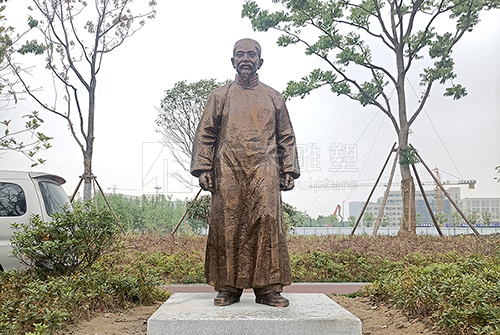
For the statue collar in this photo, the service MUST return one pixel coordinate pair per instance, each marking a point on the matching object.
(254, 81)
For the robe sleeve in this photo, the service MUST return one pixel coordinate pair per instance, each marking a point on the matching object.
(287, 150)
(205, 139)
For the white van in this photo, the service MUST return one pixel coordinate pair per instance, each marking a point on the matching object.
(23, 194)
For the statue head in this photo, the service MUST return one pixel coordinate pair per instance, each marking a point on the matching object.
(246, 57)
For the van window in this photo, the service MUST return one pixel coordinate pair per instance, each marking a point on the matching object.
(54, 197)
(12, 200)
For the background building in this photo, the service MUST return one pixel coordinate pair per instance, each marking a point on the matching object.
(481, 205)
(394, 207)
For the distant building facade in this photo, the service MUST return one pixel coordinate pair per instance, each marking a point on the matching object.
(481, 205)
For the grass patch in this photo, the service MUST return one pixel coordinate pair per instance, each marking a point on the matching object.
(42, 306)
(462, 297)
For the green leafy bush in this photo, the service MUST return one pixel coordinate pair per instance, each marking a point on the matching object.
(182, 267)
(460, 296)
(42, 306)
(198, 211)
(72, 241)
(345, 266)
(137, 282)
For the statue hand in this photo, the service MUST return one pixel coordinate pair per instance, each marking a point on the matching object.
(206, 181)
(286, 182)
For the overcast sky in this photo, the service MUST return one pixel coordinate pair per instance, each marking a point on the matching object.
(193, 40)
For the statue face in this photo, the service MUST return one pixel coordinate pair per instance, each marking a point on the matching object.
(246, 60)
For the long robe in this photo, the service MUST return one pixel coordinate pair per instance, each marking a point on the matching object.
(246, 139)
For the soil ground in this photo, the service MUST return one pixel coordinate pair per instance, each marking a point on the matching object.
(376, 320)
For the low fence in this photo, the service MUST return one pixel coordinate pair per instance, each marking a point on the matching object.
(447, 231)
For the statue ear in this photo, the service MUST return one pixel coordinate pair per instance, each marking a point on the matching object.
(232, 62)
(260, 63)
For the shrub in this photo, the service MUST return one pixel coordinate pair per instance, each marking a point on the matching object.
(30, 304)
(345, 266)
(137, 282)
(459, 296)
(198, 211)
(182, 267)
(72, 241)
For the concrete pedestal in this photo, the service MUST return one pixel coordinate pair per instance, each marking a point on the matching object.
(308, 313)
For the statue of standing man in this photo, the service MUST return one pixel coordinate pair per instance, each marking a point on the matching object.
(244, 153)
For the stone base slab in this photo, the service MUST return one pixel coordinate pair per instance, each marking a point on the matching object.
(308, 313)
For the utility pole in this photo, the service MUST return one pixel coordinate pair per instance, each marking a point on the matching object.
(157, 188)
(343, 212)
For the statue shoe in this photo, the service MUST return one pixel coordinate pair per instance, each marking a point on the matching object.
(272, 299)
(226, 298)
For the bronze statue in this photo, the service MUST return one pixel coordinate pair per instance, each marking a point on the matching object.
(244, 153)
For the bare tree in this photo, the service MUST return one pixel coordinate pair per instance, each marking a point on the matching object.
(178, 116)
(77, 34)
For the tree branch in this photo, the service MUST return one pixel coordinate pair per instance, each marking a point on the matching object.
(82, 46)
(31, 94)
(342, 74)
(422, 103)
(366, 65)
(65, 43)
(382, 25)
(392, 38)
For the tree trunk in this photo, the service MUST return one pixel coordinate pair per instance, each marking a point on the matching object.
(87, 155)
(87, 190)
(408, 224)
(87, 176)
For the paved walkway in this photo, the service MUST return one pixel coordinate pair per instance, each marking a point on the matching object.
(326, 288)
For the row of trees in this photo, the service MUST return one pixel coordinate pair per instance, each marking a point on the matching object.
(474, 217)
(157, 213)
(441, 217)
(162, 213)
